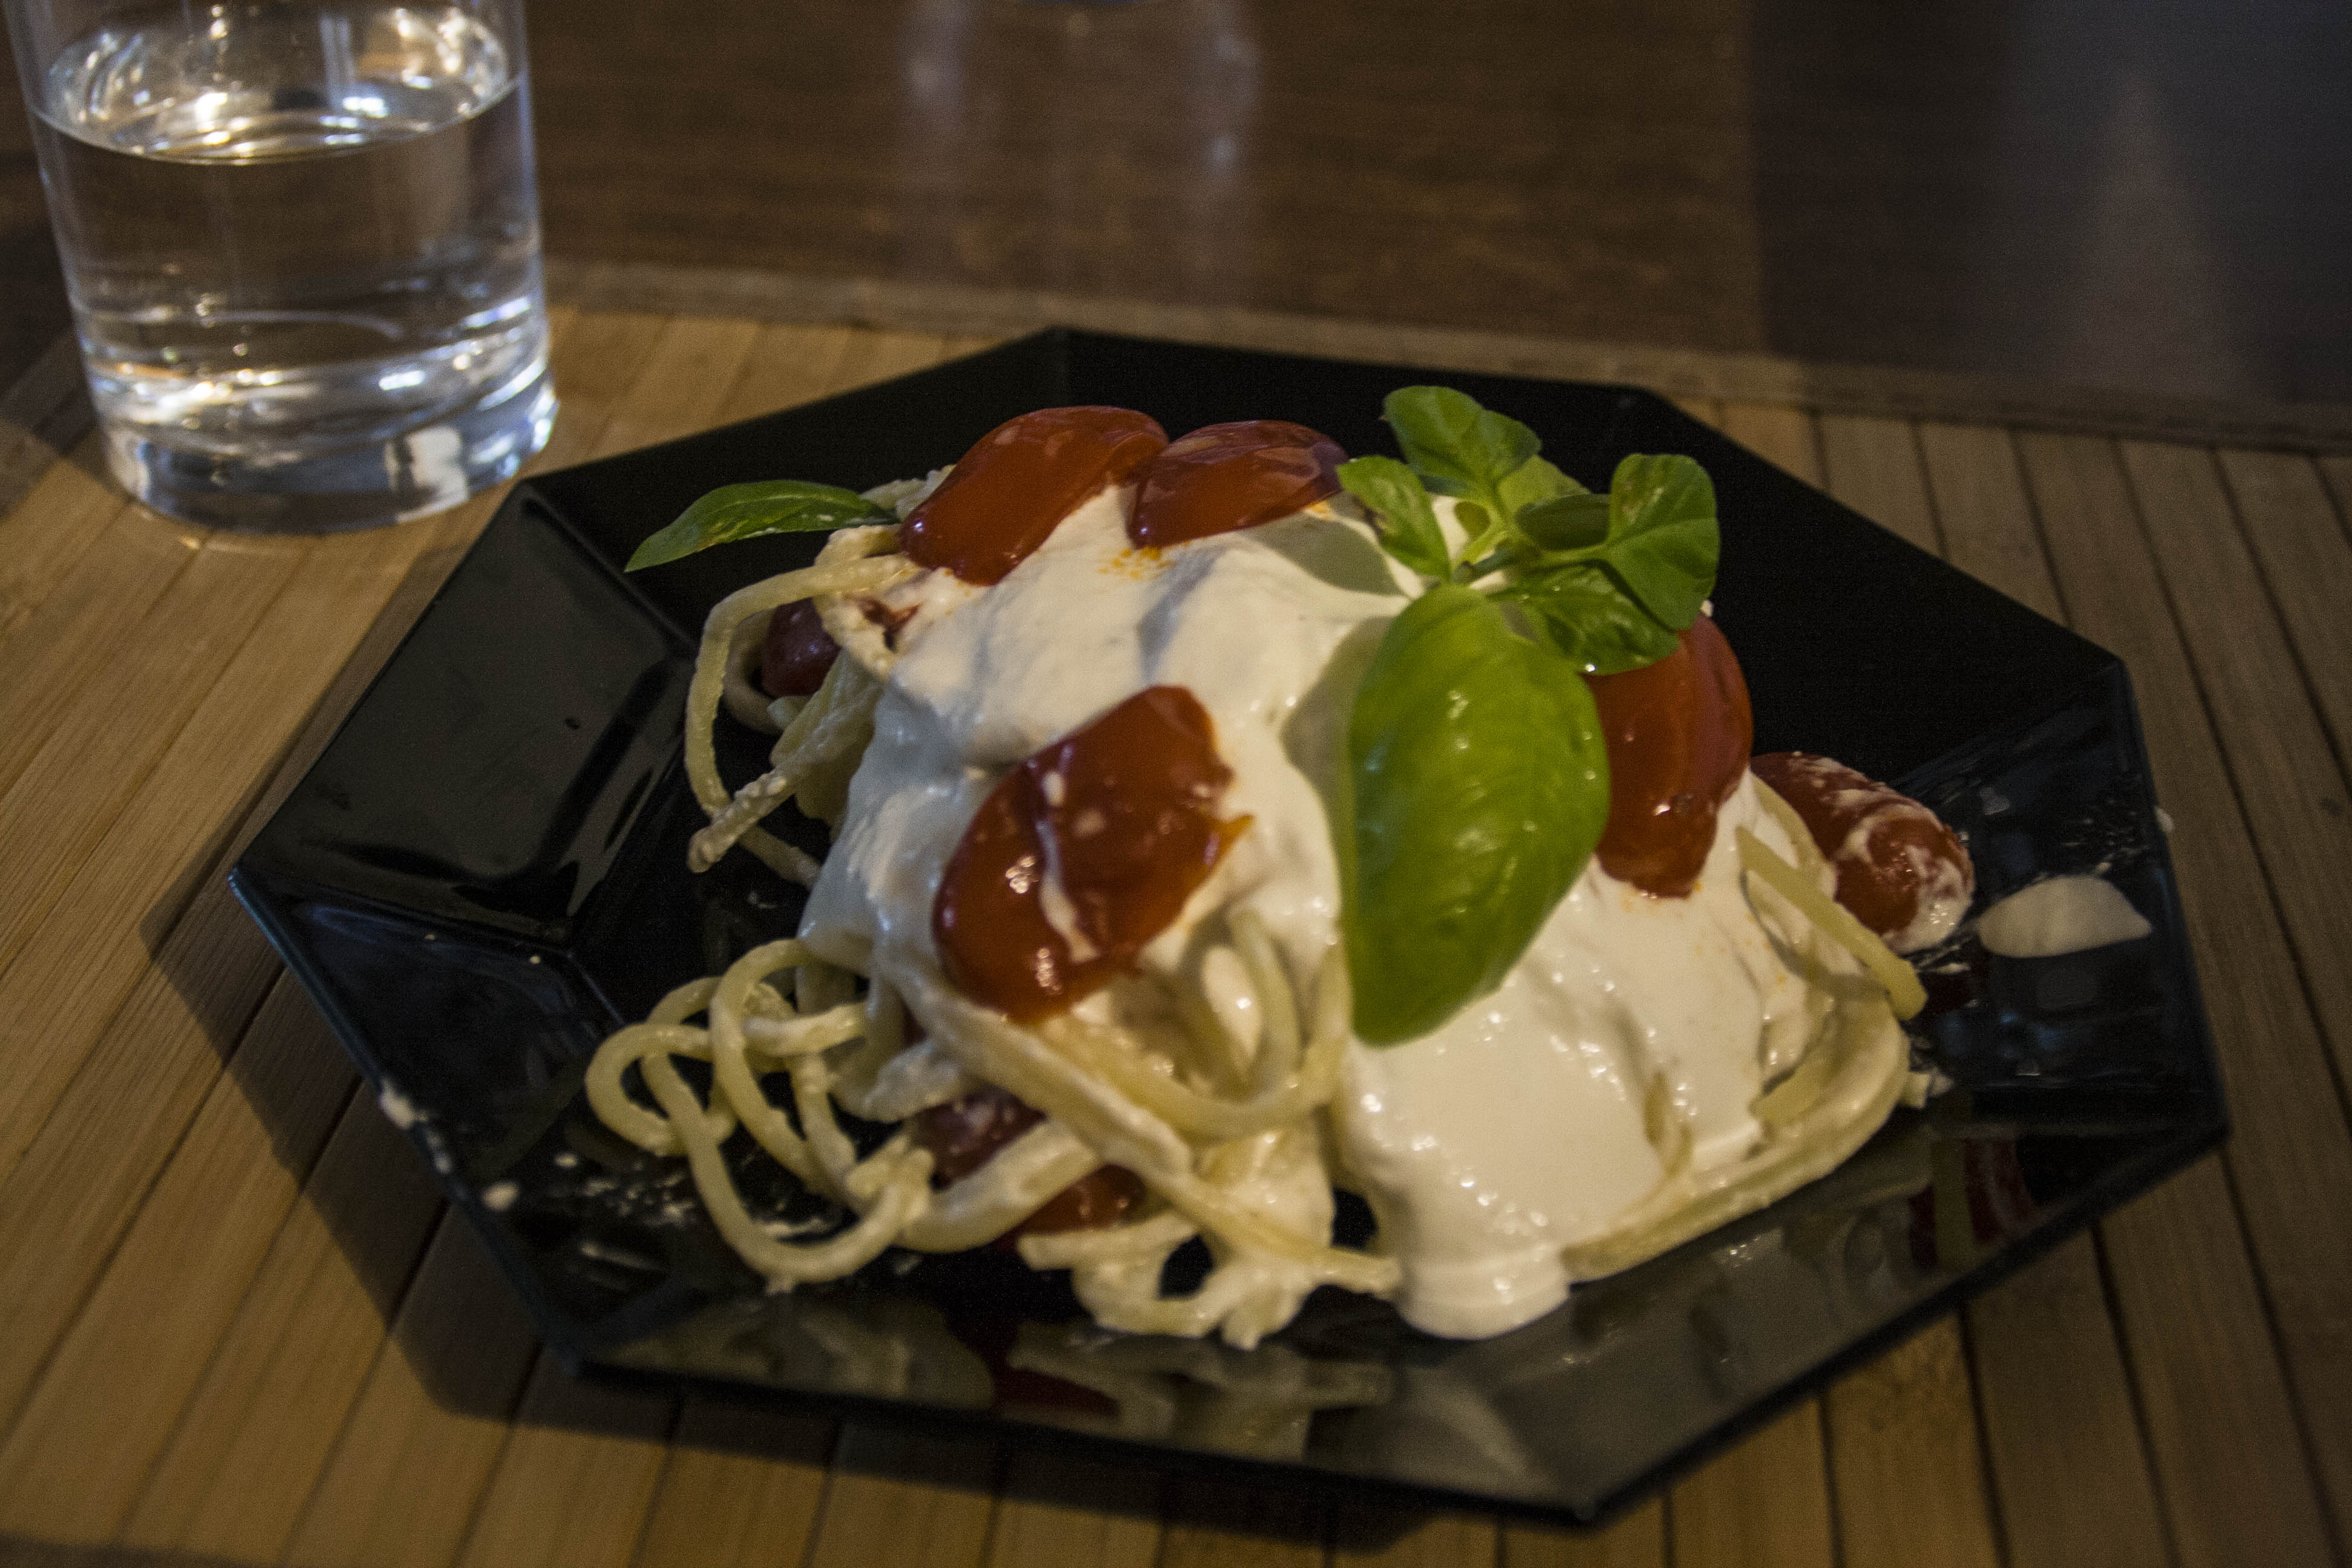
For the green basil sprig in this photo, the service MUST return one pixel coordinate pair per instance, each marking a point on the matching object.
(1608, 580)
(1479, 784)
(1477, 780)
(748, 511)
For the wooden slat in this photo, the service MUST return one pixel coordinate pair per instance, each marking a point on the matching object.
(742, 1490)
(97, 607)
(879, 356)
(1905, 1469)
(2283, 506)
(1784, 436)
(249, 1445)
(1989, 532)
(572, 1484)
(2282, 765)
(44, 413)
(143, 691)
(693, 364)
(1414, 1540)
(1902, 1431)
(2286, 773)
(106, 1403)
(906, 1499)
(2337, 473)
(788, 365)
(1636, 1540)
(146, 1071)
(1221, 1524)
(415, 1454)
(1766, 1501)
(57, 523)
(2067, 1460)
(116, 1092)
(2229, 1452)
(2065, 1441)
(1074, 1513)
(1874, 466)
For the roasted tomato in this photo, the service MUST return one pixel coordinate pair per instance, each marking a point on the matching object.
(966, 1133)
(1679, 732)
(1082, 854)
(1224, 477)
(1899, 870)
(1022, 479)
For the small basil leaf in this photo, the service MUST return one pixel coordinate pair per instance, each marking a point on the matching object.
(1567, 523)
(748, 511)
(1408, 523)
(1535, 481)
(1477, 786)
(1662, 537)
(1457, 447)
(1581, 612)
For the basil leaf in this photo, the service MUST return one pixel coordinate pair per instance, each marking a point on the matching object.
(1663, 539)
(1457, 447)
(1567, 523)
(1477, 786)
(748, 511)
(1582, 611)
(1408, 522)
(1535, 481)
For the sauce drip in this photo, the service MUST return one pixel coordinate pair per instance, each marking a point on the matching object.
(1226, 477)
(1679, 733)
(1083, 852)
(796, 652)
(1020, 479)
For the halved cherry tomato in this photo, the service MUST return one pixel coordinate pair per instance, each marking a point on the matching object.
(1679, 732)
(1224, 477)
(1022, 479)
(1082, 854)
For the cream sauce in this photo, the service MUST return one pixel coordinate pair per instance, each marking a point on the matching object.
(1634, 1035)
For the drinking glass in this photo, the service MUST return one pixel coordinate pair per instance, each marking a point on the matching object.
(301, 242)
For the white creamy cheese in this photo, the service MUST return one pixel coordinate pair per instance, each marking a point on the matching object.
(1634, 1034)
(2062, 915)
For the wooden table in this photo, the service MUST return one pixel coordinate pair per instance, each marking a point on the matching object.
(241, 1327)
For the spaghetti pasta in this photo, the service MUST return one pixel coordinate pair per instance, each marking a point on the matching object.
(1217, 1081)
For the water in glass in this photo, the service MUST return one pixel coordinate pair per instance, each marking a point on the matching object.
(303, 252)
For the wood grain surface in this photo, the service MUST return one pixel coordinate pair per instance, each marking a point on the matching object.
(244, 1329)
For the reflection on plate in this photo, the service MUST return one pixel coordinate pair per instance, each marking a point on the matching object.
(485, 873)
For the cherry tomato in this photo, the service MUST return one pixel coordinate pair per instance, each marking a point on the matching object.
(797, 651)
(1020, 479)
(1679, 732)
(966, 1133)
(1890, 852)
(1224, 477)
(1082, 854)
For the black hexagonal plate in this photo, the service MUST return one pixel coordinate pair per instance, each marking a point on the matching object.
(483, 873)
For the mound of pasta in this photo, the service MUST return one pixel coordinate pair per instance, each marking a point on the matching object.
(1222, 823)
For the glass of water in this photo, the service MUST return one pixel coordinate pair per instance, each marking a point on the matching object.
(302, 245)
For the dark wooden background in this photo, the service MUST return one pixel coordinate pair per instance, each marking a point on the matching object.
(2148, 197)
